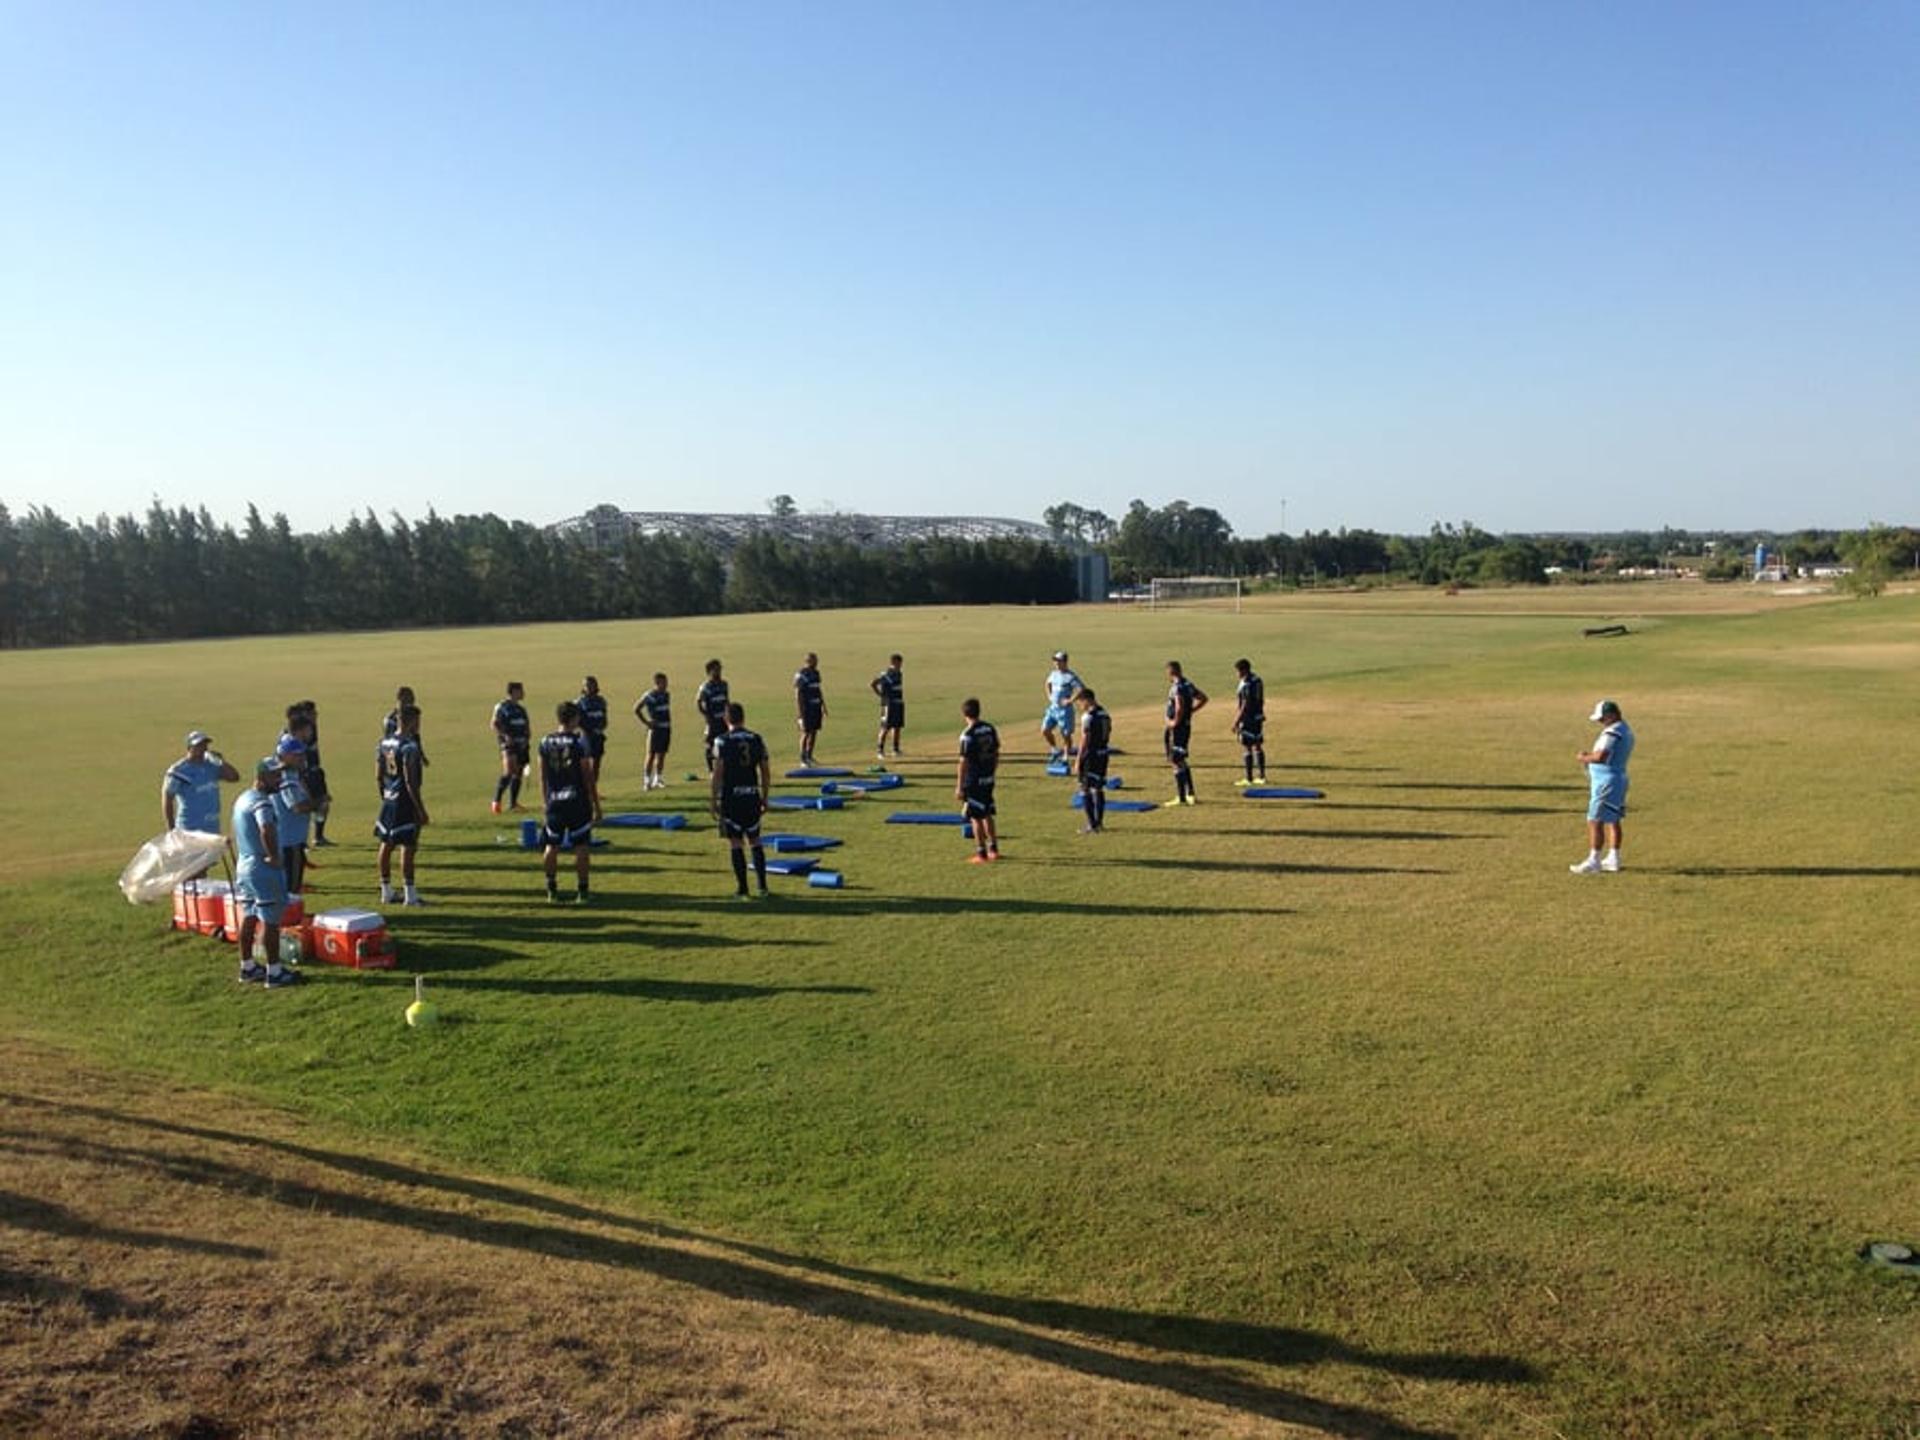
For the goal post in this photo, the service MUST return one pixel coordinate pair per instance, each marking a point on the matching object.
(1214, 592)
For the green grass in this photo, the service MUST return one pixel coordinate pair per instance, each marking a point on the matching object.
(1373, 1079)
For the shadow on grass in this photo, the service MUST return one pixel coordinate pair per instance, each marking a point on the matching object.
(694, 992)
(905, 1307)
(1410, 809)
(600, 922)
(1294, 832)
(1253, 867)
(1476, 785)
(35, 1288)
(1790, 872)
(26, 1212)
(907, 907)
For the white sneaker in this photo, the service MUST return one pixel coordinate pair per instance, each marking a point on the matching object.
(387, 897)
(413, 899)
(1610, 865)
(1589, 866)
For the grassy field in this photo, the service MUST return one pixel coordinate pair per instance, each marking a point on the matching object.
(1365, 1100)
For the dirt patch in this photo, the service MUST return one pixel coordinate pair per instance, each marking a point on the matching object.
(173, 1264)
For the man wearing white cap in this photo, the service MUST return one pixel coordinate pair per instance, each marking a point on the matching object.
(1606, 766)
(190, 793)
(259, 879)
(1056, 727)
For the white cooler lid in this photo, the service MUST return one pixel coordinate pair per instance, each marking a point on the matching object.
(349, 920)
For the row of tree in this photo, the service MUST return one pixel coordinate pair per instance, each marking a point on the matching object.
(1184, 539)
(179, 574)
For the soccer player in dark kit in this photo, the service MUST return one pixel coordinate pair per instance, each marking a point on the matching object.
(1096, 734)
(570, 790)
(402, 810)
(513, 728)
(973, 782)
(711, 701)
(654, 710)
(1250, 721)
(593, 723)
(742, 780)
(1184, 700)
(809, 705)
(891, 688)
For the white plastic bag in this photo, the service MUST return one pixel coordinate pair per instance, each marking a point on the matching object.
(164, 861)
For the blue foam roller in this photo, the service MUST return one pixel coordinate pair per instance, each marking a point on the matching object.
(1281, 792)
(794, 844)
(925, 817)
(1114, 782)
(817, 772)
(826, 880)
(529, 834)
(1059, 767)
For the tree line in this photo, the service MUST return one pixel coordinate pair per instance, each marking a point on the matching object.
(1184, 539)
(177, 573)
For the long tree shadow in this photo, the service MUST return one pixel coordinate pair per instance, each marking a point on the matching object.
(595, 924)
(1251, 867)
(27, 1212)
(1790, 872)
(1271, 1345)
(1411, 809)
(1271, 832)
(34, 1287)
(696, 992)
(1560, 789)
(906, 907)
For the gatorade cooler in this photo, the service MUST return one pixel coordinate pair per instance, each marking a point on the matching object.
(357, 939)
(201, 906)
(293, 915)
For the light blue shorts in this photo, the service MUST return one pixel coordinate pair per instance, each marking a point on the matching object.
(262, 891)
(1060, 718)
(1607, 800)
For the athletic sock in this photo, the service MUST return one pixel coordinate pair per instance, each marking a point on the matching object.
(386, 893)
(1260, 759)
(739, 868)
(760, 865)
(1613, 858)
(1593, 857)
(1249, 759)
(500, 790)
(413, 894)
(553, 887)
(319, 831)
(513, 787)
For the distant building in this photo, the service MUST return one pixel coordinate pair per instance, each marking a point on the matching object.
(606, 526)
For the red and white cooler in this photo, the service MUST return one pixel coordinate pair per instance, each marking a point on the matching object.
(357, 939)
(201, 906)
(293, 915)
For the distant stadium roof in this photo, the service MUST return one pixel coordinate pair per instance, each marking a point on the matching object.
(608, 525)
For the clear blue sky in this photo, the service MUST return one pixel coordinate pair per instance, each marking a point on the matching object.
(1543, 266)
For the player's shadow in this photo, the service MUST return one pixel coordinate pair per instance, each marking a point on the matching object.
(1180, 1344)
(1789, 872)
(908, 907)
(28, 1212)
(1294, 832)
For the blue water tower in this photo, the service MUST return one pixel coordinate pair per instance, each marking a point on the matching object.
(1760, 557)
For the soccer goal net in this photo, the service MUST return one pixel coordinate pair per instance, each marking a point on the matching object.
(1212, 591)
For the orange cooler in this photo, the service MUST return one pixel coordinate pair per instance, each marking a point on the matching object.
(293, 916)
(201, 906)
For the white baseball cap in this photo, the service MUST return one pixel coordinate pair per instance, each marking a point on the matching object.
(1602, 709)
(197, 737)
(1059, 654)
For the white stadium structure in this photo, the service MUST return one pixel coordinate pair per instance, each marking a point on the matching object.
(608, 525)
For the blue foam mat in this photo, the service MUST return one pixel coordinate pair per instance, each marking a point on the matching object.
(805, 802)
(791, 844)
(925, 817)
(635, 821)
(863, 787)
(1282, 792)
(817, 772)
(1123, 807)
(791, 864)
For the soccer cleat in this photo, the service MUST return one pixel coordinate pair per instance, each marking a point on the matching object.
(579, 897)
(280, 979)
(1610, 865)
(1089, 829)
(387, 897)
(1589, 866)
(494, 806)
(414, 901)
(1173, 804)
(1243, 783)
(1191, 800)
(993, 854)
(553, 897)
(742, 895)
(323, 841)
(763, 894)
(252, 973)
(979, 857)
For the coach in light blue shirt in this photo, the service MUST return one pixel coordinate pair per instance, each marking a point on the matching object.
(1606, 764)
(190, 793)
